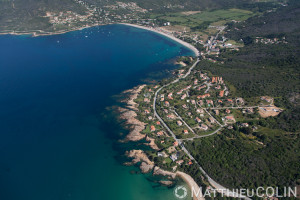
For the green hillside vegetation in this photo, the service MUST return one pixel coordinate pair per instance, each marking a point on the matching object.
(266, 69)
(26, 15)
(237, 159)
(23, 15)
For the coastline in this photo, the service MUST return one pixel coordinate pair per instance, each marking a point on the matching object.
(191, 47)
(192, 184)
(36, 33)
(128, 113)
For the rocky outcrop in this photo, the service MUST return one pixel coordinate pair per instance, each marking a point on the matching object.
(146, 168)
(129, 115)
(151, 143)
(159, 171)
(139, 156)
(166, 183)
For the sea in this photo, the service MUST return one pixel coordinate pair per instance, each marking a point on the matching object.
(59, 139)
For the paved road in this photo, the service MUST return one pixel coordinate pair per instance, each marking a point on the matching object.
(184, 122)
(216, 185)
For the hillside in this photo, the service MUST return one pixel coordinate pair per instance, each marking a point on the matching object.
(27, 15)
(265, 68)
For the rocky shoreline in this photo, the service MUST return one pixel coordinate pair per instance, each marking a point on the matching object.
(129, 115)
(139, 157)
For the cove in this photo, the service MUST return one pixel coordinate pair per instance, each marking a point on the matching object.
(54, 142)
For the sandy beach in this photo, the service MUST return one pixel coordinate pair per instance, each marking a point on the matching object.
(192, 184)
(167, 35)
(36, 33)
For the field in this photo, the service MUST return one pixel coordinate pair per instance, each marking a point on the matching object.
(218, 17)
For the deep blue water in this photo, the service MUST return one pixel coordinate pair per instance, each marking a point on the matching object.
(54, 142)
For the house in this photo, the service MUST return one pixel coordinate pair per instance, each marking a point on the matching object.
(147, 111)
(227, 111)
(230, 100)
(152, 128)
(198, 120)
(193, 101)
(230, 118)
(244, 125)
(183, 97)
(179, 162)
(203, 96)
(221, 94)
(171, 116)
(200, 110)
(204, 127)
(160, 154)
(150, 118)
(218, 87)
(174, 157)
(201, 87)
(170, 96)
(190, 162)
(179, 123)
(210, 102)
(185, 131)
(158, 123)
(167, 103)
(216, 112)
(175, 144)
(146, 100)
(179, 92)
(160, 133)
(195, 81)
(184, 106)
(200, 102)
(212, 120)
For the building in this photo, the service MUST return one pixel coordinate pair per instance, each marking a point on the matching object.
(175, 144)
(174, 157)
(167, 103)
(183, 97)
(179, 123)
(204, 127)
(198, 120)
(221, 94)
(212, 120)
(160, 133)
(152, 128)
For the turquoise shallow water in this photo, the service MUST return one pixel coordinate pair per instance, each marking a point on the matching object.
(54, 141)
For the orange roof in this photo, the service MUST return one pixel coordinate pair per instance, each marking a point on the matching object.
(152, 128)
(158, 122)
(175, 143)
(221, 94)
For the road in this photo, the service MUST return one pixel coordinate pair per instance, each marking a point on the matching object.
(216, 185)
(184, 122)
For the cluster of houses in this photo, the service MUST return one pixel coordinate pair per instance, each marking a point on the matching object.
(270, 41)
